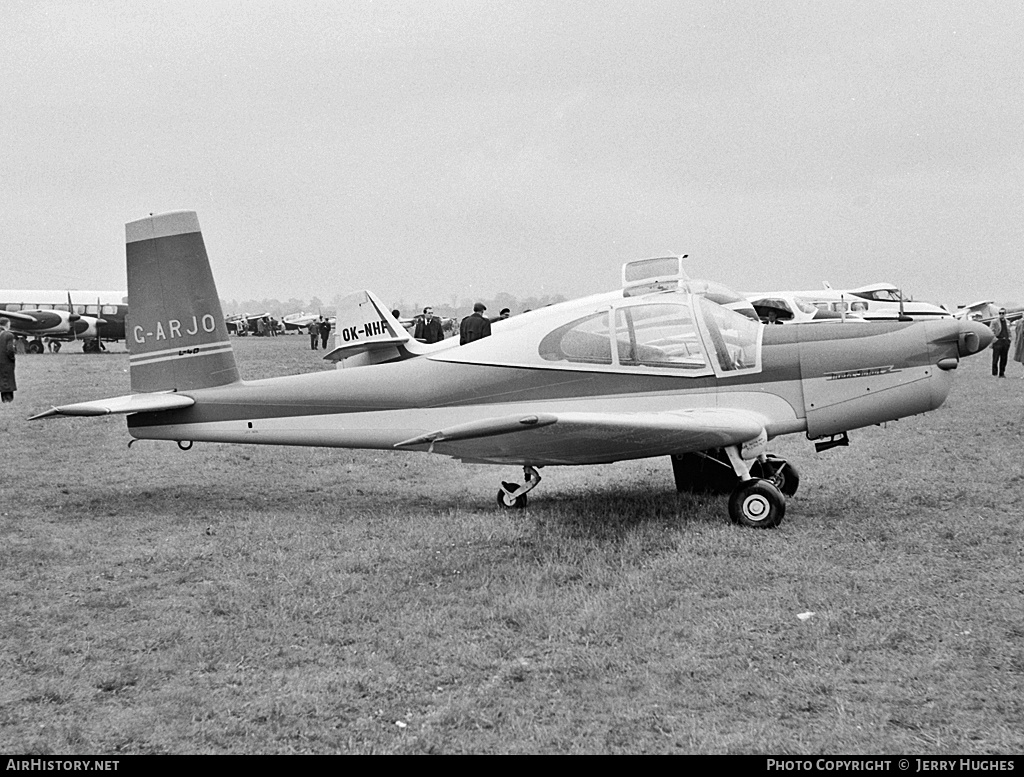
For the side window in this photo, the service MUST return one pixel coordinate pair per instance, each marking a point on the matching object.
(586, 341)
(109, 310)
(659, 336)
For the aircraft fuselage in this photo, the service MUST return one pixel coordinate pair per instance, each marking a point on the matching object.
(822, 379)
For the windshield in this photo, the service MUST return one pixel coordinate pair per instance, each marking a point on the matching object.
(883, 295)
(805, 305)
(736, 339)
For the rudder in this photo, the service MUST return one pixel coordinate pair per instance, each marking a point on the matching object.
(176, 334)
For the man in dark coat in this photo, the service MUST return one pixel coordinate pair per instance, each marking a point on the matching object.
(428, 327)
(475, 326)
(325, 331)
(8, 346)
(1001, 345)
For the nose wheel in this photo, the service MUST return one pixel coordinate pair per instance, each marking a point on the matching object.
(512, 496)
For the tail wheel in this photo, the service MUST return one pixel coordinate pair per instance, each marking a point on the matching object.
(507, 503)
(757, 504)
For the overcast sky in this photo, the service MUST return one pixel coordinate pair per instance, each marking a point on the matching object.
(429, 150)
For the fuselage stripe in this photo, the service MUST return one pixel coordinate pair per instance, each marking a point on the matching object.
(179, 353)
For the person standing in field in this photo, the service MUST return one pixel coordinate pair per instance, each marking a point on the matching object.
(325, 331)
(1018, 341)
(475, 326)
(428, 327)
(314, 335)
(8, 349)
(1001, 345)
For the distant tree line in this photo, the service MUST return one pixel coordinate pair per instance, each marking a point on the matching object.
(450, 308)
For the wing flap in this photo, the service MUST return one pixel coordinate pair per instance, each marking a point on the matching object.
(489, 427)
(132, 403)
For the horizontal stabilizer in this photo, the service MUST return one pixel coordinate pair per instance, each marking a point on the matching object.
(133, 403)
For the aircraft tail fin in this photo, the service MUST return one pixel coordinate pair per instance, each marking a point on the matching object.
(366, 333)
(176, 334)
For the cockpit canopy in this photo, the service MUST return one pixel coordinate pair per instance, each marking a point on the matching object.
(686, 335)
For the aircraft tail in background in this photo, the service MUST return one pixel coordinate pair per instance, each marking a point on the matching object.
(176, 334)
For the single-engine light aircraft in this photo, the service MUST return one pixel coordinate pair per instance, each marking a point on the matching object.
(92, 318)
(666, 366)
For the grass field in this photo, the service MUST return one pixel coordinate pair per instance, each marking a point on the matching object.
(237, 599)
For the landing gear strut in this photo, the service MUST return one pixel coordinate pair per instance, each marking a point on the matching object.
(757, 489)
(512, 496)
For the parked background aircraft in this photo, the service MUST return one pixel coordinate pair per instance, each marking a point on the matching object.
(658, 368)
(299, 320)
(788, 306)
(987, 310)
(243, 324)
(92, 317)
(874, 302)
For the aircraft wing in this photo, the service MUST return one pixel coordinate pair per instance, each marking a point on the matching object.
(16, 316)
(592, 438)
(133, 403)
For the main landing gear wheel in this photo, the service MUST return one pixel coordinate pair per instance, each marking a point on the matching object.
(783, 475)
(757, 504)
(34, 346)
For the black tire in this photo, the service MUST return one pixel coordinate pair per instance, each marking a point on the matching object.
(757, 504)
(34, 346)
(789, 475)
(517, 504)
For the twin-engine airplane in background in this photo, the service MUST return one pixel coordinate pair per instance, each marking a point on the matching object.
(874, 302)
(94, 317)
(662, 367)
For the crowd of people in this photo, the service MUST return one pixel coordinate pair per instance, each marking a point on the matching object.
(429, 328)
